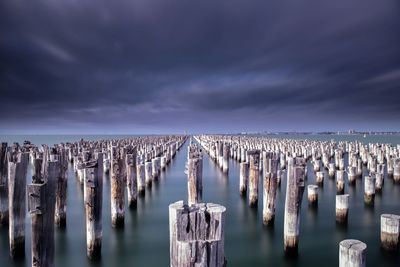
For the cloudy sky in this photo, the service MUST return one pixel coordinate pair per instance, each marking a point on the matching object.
(154, 66)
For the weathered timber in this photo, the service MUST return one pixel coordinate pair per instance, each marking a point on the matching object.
(294, 194)
(131, 182)
(254, 160)
(244, 178)
(352, 253)
(342, 208)
(118, 175)
(93, 206)
(17, 171)
(41, 206)
(197, 235)
(269, 188)
(390, 231)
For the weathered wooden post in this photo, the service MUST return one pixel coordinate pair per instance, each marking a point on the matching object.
(141, 180)
(244, 170)
(197, 235)
(61, 190)
(352, 253)
(163, 162)
(131, 182)
(155, 167)
(319, 176)
(225, 158)
(396, 170)
(195, 179)
(254, 159)
(312, 191)
(3, 185)
(270, 186)
(93, 204)
(351, 175)
(148, 173)
(339, 181)
(41, 206)
(331, 170)
(378, 181)
(369, 190)
(17, 171)
(390, 231)
(294, 194)
(342, 208)
(117, 188)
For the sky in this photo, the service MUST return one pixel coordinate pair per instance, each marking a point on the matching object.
(212, 66)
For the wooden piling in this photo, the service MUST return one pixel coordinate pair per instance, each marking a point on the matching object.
(41, 206)
(254, 160)
(294, 194)
(155, 168)
(340, 181)
(352, 253)
(225, 158)
(197, 235)
(148, 173)
(17, 171)
(396, 170)
(244, 170)
(131, 181)
(312, 192)
(351, 175)
(331, 170)
(269, 189)
(369, 190)
(3, 186)
(61, 190)
(141, 180)
(117, 188)
(93, 205)
(390, 231)
(342, 208)
(195, 180)
(319, 176)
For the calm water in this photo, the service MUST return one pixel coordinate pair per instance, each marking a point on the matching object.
(145, 239)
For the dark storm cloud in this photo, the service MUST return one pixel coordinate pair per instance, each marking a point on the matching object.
(204, 65)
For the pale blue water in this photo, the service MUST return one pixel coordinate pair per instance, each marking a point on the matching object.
(145, 239)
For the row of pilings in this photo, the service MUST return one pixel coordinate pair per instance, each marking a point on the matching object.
(276, 159)
(133, 164)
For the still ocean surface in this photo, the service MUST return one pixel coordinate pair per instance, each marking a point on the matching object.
(144, 241)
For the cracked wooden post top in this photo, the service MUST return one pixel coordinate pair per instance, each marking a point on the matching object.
(352, 253)
(196, 234)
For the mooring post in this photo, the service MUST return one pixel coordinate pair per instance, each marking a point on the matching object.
(195, 180)
(369, 190)
(41, 206)
(93, 206)
(225, 156)
(352, 253)
(390, 231)
(312, 193)
(339, 181)
(244, 172)
(61, 190)
(294, 194)
(17, 171)
(342, 208)
(270, 186)
(197, 235)
(117, 188)
(254, 160)
(131, 181)
(3, 185)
